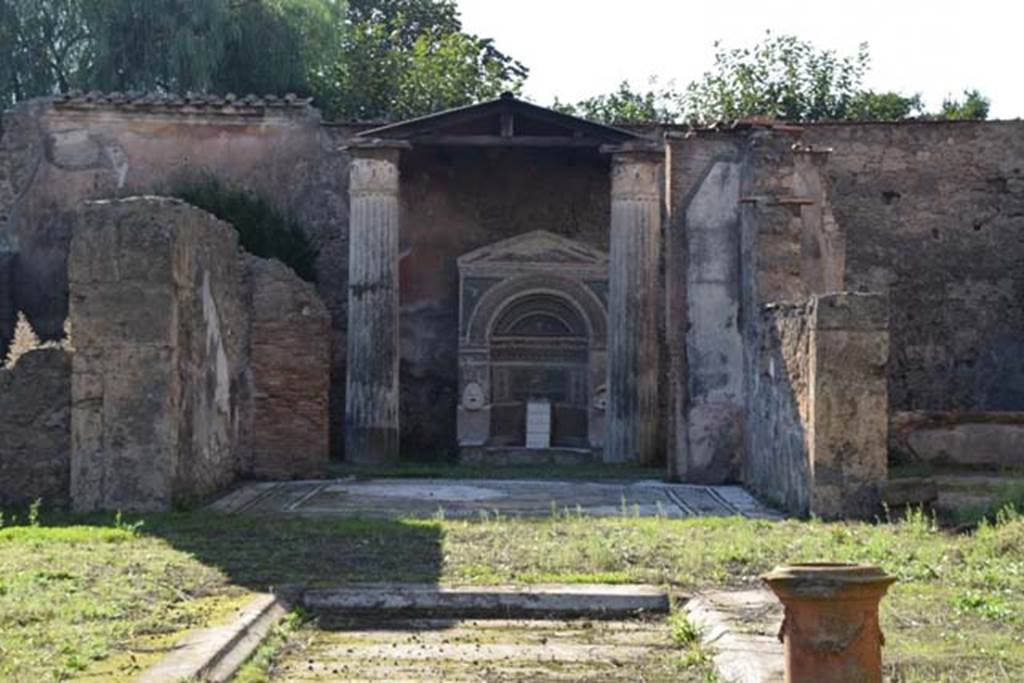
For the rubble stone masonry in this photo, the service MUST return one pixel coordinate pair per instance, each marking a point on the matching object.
(160, 328)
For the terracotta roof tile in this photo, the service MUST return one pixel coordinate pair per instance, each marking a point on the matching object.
(228, 105)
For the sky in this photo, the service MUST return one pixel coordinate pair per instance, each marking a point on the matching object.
(579, 48)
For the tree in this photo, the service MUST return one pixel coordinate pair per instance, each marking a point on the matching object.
(366, 59)
(627, 106)
(281, 46)
(408, 18)
(974, 106)
(868, 105)
(43, 47)
(169, 45)
(388, 72)
(781, 77)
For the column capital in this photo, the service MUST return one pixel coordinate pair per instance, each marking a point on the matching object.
(373, 169)
(636, 170)
(636, 151)
(376, 148)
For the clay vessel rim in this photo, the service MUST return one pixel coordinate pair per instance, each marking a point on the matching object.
(828, 572)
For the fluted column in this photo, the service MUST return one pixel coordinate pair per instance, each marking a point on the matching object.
(371, 398)
(631, 427)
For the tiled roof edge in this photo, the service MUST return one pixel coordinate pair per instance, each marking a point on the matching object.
(230, 104)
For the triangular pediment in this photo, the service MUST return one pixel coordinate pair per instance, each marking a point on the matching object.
(539, 247)
(503, 122)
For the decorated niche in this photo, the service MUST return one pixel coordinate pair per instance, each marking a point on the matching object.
(532, 332)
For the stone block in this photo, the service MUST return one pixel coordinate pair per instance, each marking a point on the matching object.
(849, 405)
(160, 331)
(969, 439)
(35, 413)
(851, 311)
(818, 406)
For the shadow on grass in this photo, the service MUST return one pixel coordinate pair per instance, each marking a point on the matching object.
(260, 553)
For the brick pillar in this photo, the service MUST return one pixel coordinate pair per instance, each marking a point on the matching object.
(371, 398)
(631, 428)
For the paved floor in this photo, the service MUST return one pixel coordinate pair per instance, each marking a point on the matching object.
(472, 498)
(357, 649)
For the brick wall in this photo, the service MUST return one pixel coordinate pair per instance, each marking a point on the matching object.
(289, 358)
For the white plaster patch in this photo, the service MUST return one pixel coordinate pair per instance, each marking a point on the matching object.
(118, 162)
(215, 348)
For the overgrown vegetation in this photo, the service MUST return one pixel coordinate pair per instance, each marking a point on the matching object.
(104, 598)
(25, 339)
(781, 77)
(262, 229)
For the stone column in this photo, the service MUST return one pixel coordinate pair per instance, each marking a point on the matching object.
(371, 398)
(631, 420)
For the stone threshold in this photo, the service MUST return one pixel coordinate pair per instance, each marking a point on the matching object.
(568, 600)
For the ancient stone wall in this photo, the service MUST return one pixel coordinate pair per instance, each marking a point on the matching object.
(933, 214)
(8, 307)
(454, 201)
(289, 358)
(777, 448)
(158, 384)
(55, 154)
(817, 406)
(689, 161)
(750, 222)
(35, 434)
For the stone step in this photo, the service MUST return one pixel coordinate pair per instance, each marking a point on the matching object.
(599, 601)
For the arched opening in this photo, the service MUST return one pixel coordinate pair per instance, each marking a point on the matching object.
(539, 350)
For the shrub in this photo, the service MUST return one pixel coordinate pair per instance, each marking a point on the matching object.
(26, 339)
(262, 229)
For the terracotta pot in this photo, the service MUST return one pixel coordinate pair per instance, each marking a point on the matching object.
(830, 630)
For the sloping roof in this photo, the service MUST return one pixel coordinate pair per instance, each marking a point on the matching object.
(503, 122)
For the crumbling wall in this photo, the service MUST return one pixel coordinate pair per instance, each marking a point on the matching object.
(933, 214)
(35, 435)
(158, 380)
(817, 406)
(750, 222)
(8, 307)
(289, 358)
(777, 443)
(55, 153)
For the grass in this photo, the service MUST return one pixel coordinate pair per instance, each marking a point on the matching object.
(99, 598)
(1008, 495)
